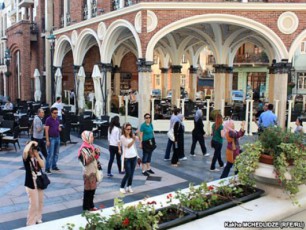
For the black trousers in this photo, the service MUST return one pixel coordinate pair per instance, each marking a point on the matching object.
(198, 138)
(217, 155)
(113, 151)
(88, 197)
(42, 146)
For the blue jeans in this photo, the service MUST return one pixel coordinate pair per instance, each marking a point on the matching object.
(168, 149)
(113, 151)
(53, 151)
(129, 165)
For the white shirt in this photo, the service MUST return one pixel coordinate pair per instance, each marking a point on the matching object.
(128, 152)
(114, 136)
(59, 107)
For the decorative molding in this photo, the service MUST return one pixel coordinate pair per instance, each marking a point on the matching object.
(106, 67)
(288, 22)
(101, 31)
(283, 67)
(152, 21)
(221, 68)
(144, 66)
(164, 70)
(138, 22)
(193, 70)
(176, 68)
(74, 37)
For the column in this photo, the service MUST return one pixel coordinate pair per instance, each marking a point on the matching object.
(228, 84)
(278, 82)
(164, 81)
(76, 88)
(193, 82)
(176, 83)
(48, 27)
(109, 70)
(144, 82)
(116, 80)
(219, 85)
(4, 85)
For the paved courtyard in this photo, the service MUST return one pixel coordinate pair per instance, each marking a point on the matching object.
(64, 195)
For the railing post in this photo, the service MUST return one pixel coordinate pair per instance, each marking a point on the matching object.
(290, 102)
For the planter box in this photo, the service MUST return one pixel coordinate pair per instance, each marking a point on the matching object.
(188, 216)
(266, 159)
(258, 192)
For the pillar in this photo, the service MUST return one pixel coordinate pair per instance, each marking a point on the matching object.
(176, 83)
(278, 82)
(4, 85)
(219, 85)
(144, 86)
(116, 80)
(164, 81)
(193, 82)
(109, 69)
(228, 84)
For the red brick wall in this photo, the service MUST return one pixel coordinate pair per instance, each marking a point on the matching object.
(128, 65)
(57, 6)
(67, 72)
(76, 11)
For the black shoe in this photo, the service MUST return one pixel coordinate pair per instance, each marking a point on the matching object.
(48, 171)
(56, 169)
(145, 173)
(150, 171)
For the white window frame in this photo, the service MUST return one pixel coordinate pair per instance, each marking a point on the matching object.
(157, 80)
(302, 81)
(183, 80)
(303, 47)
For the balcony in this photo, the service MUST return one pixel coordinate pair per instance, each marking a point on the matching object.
(260, 58)
(25, 3)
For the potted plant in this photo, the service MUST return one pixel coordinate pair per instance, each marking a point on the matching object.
(284, 150)
(206, 200)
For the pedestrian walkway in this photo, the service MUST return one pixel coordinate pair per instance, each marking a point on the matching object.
(64, 195)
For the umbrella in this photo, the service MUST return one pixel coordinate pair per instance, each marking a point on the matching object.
(58, 81)
(96, 75)
(37, 93)
(81, 79)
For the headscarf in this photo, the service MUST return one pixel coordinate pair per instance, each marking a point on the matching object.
(227, 126)
(180, 117)
(87, 137)
(198, 115)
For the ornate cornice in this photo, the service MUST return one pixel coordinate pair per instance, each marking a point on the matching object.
(144, 66)
(221, 68)
(164, 70)
(176, 68)
(282, 67)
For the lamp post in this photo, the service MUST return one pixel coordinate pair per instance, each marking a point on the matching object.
(7, 57)
(51, 39)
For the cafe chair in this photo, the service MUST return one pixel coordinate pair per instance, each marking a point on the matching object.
(24, 124)
(104, 126)
(8, 124)
(12, 139)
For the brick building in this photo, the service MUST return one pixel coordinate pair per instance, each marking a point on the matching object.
(127, 39)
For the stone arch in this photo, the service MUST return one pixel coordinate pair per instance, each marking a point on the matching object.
(296, 43)
(84, 43)
(278, 45)
(112, 33)
(62, 47)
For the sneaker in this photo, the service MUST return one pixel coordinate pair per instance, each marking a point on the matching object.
(192, 155)
(39, 222)
(145, 173)
(222, 167)
(110, 175)
(93, 209)
(183, 159)
(122, 190)
(56, 169)
(123, 172)
(48, 171)
(214, 170)
(166, 159)
(129, 189)
(206, 155)
(150, 171)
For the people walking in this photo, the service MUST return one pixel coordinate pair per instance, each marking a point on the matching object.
(179, 130)
(33, 163)
(198, 134)
(170, 143)
(233, 147)
(114, 134)
(38, 131)
(52, 131)
(89, 155)
(128, 158)
(216, 143)
(147, 143)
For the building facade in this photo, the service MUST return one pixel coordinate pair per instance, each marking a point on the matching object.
(139, 45)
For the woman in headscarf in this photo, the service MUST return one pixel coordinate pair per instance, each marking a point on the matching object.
(88, 155)
(198, 133)
(233, 148)
(178, 130)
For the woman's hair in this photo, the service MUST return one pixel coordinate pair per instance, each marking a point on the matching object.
(126, 125)
(218, 121)
(115, 121)
(300, 121)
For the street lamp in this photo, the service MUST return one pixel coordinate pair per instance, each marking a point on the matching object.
(51, 39)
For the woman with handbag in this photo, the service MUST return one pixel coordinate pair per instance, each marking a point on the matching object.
(33, 164)
(128, 158)
(147, 144)
(198, 134)
(92, 171)
(113, 136)
(216, 143)
(233, 147)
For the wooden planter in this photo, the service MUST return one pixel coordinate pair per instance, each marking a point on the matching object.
(266, 159)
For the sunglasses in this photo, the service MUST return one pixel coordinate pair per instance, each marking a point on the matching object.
(147, 117)
(55, 113)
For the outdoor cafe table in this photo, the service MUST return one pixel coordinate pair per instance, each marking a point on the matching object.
(3, 130)
(19, 115)
(99, 123)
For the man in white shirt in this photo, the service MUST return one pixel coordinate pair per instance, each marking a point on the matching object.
(8, 105)
(58, 104)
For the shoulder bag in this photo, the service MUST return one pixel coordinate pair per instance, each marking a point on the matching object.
(42, 180)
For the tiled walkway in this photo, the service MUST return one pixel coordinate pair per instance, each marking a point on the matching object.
(64, 195)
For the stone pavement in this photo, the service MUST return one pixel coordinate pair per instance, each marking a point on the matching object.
(64, 195)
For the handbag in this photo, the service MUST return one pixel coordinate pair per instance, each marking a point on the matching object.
(170, 134)
(42, 180)
(149, 145)
(99, 171)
